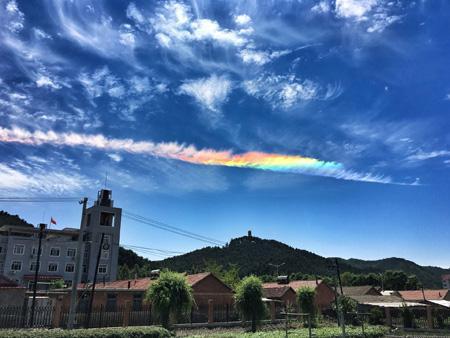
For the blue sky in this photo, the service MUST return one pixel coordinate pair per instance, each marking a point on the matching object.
(322, 124)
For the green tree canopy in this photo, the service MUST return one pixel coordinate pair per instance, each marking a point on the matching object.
(248, 300)
(170, 296)
(305, 297)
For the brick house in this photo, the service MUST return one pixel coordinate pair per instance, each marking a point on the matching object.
(324, 294)
(424, 296)
(116, 294)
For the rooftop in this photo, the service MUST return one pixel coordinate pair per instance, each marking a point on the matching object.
(295, 284)
(419, 295)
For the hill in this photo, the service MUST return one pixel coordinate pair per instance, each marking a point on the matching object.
(8, 219)
(252, 255)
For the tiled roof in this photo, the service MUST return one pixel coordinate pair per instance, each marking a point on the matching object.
(295, 284)
(376, 299)
(276, 291)
(142, 284)
(357, 290)
(418, 295)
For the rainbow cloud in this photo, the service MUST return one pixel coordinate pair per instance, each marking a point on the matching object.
(190, 154)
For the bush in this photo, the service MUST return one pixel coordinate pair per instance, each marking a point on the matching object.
(171, 297)
(248, 299)
(376, 316)
(109, 332)
(305, 297)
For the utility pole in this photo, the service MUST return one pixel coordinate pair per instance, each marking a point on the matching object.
(277, 266)
(78, 267)
(339, 308)
(91, 301)
(36, 272)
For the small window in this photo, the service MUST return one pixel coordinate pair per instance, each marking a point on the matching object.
(137, 302)
(54, 252)
(70, 267)
(19, 249)
(105, 254)
(34, 266)
(16, 266)
(52, 267)
(1, 249)
(71, 252)
(68, 283)
(84, 268)
(106, 219)
(102, 268)
(111, 302)
(34, 251)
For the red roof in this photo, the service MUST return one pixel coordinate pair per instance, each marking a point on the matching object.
(295, 284)
(418, 295)
(142, 284)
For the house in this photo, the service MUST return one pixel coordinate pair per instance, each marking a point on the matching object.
(446, 281)
(324, 294)
(11, 294)
(113, 295)
(282, 293)
(439, 297)
(19, 248)
(364, 290)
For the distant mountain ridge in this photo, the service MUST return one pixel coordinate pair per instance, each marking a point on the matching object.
(8, 219)
(252, 255)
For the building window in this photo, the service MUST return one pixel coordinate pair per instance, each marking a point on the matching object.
(1, 249)
(19, 249)
(68, 283)
(102, 268)
(137, 302)
(16, 266)
(105, 254)
(54, 252)
(71, 252)
(84, 268)
(106, 219)
(111, 302)
(34, 266)
(70, 267)
(34, 251)
(52, 267)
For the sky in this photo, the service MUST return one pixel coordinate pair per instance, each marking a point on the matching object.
(322, 124)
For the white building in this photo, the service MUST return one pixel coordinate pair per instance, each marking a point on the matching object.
(19, 247)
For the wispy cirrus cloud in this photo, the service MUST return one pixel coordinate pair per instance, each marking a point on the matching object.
(286, 91)
(190, 154)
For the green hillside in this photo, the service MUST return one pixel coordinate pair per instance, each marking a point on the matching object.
(253, 255)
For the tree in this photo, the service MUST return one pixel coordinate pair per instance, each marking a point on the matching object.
(231, 276)
(394, 280)
(248, 300)
(57, 284)
(412, 283)
(305, 297)
(170, 296)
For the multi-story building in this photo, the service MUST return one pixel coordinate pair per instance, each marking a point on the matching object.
(19, 248)
(446, 281)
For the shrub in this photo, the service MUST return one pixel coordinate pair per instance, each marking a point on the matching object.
(305, 297)
(111, 332)
(248, 299)
(171, 297)
(376, 316)
(408, 317)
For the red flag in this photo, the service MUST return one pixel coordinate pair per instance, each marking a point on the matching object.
(52, 221)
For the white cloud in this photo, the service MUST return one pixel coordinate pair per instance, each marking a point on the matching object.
(259, 57)
(374, 14)
(40, 34)
(423, 155)
(242, 19)
(45, 81)
(321, 7)
(285, 91)
(356, 9)
(13, 18)
(18, 177)
(210, 92)
(140, 20)
(174, 24)
(115, 157)
(101, 82)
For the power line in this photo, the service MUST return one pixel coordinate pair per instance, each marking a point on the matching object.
(170, 228)
(152, 249)
(40, 199)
